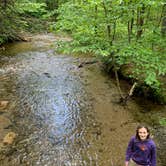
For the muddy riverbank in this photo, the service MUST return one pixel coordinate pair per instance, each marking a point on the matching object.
(65, 115)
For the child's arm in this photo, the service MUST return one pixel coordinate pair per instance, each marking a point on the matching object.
(153, 155)
(129, 151)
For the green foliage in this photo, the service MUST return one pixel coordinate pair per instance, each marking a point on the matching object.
(1, 40)
(149, 64)
(9, 23)
(86, 37)
(50, 14)
(16, 16)
(31, 9)
(162, 121)
(128, 30)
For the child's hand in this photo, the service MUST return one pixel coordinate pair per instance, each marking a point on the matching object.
(126, 163)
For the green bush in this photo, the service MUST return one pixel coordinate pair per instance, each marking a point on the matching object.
(31, 9)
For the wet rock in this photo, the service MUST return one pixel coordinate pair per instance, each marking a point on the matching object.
(112, 129)
(3, 104)
(47, 75)
(25, 39)
(8, 127)
(9, 138)
(100, 150)
(2, 48)
(4, 122)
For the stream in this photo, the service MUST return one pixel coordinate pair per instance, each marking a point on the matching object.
(64, 115)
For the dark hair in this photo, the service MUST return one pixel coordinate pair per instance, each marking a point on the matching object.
(142, 126)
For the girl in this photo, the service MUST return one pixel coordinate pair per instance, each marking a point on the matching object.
(141, 150)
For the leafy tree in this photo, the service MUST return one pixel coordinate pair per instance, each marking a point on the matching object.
(9, 22)
(18, 15)
(119, 32)
(163, 17)
(31, 9)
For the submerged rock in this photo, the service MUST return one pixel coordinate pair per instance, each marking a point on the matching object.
(9, 138)
(4, 123)
(3, 104)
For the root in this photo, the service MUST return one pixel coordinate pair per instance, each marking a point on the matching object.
(125, 99)
(86, 63)
(118, 84)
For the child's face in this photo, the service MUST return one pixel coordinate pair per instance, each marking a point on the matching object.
(142, 132)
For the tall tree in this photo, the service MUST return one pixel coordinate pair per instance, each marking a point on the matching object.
(163, 24)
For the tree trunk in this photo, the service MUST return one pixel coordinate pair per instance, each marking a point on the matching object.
(114, 32)
(52, 4)
(140, 21)
(132, 22)
(129, 31)
(96, 12)
(108, 24)
(163, 23)
(118, 85)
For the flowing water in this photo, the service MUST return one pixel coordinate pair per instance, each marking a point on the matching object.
(62, 114)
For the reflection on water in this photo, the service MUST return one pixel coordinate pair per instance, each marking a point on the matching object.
(63, 115)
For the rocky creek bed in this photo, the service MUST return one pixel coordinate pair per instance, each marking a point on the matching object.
(55, 113)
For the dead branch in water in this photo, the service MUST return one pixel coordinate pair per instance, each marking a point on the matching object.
(125, 99)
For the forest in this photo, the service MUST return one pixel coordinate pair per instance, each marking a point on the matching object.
(128, 36)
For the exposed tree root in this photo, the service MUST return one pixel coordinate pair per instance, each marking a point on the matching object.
(118, 84)
(124, 99)
(82, 64)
